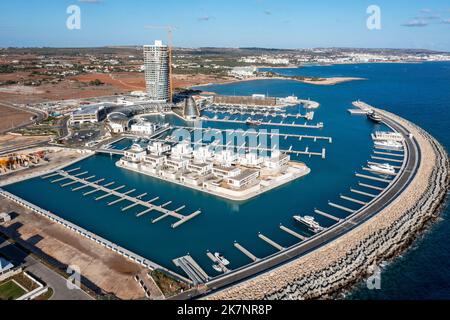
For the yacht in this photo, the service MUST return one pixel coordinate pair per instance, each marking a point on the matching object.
(374, 117)
(251, 122)
(221, 258)
(388, 144)
(310, 223)
(384, 168)
(217, 268)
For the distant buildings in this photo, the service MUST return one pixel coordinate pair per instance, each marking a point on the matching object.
(243, 72)
(157, 73)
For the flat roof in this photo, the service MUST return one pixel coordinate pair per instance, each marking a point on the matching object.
(244, 174)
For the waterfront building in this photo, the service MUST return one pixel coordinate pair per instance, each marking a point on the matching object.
(157, 72)
(200, 168)
(244, 179)
(225, 172)
(191, 110)
(158, 148)
(143, 127)
(89, 114)
(226, 157)
(176, 164)
(243, 72)
(203, 154)
(136, 154)
(277, 160)
(154, 160)
(251, 160)
(182, 150)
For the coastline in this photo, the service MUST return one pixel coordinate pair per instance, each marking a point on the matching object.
(331, 81)
(349, 257)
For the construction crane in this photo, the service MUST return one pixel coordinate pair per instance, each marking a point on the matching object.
(170, 30)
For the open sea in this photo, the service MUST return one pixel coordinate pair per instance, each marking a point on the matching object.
(418, 92)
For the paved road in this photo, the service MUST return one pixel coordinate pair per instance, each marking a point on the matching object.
(408, 172)
(50, 277)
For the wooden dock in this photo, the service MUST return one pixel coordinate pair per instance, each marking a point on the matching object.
(276, 124)
(246, 252)
(293, 233)
(258, 133)
(192, 269)
(271, 242)
(135, 201)
(327, 215)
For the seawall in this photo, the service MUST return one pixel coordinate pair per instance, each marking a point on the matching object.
(343, 262)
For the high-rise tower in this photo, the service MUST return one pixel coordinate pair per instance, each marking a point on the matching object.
(157, 73)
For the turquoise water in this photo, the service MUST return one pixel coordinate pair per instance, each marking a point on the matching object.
(418, 92)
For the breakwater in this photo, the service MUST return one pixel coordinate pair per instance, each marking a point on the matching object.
(343, 262)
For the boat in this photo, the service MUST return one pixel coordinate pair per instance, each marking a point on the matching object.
(217, 268)
(221, 258)
(385, 135)
(250, 122)
(384, 168)
(374, 117)
(388, 144)
(310, 223)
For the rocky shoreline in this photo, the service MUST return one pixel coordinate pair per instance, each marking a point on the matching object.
(349, 259)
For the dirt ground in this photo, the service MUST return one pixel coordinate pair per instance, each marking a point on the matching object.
(12, 141)
(78, 86)
(11, 117)
(106, 269)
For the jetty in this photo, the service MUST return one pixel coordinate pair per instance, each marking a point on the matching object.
(126, 196)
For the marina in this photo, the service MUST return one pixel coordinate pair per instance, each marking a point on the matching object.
(126, 192)
(136, 201)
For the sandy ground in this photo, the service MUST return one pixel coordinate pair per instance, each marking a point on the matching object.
(107, 270)
(11, 117)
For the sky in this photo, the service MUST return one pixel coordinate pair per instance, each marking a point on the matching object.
(416, 24)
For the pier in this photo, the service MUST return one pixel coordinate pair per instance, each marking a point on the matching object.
(321, 154)
(300, 137)
(246, 252)
(363, 193)
(353, 200)
(337, 206)
(217, 261)
(271, 242)
(389, 154)
(359, 175)
(386, 159)
(192, 269)
(293, 233)
(327, 215)
(135, 201)
(277, 124)
(370, 186)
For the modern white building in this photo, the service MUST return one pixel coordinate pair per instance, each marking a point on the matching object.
(251, 160)
(182, 150)
(143, 127)
(203, 154)
(157, 71)
(226, 157)
(158, 148)
(277, 160)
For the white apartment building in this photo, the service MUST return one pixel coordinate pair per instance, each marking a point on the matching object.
(157, 72)
(182, 150)
(158, 148)
(203, 154)
(143, 127)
